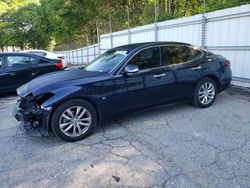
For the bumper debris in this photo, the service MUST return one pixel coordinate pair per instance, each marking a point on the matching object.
(34, 120)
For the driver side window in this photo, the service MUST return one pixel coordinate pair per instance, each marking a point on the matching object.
(18, 61)
(147, 59)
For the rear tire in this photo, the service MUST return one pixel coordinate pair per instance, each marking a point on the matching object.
(73, 120)
(205, 93)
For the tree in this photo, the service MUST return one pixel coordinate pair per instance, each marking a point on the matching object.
(69, 24)
(25, 26)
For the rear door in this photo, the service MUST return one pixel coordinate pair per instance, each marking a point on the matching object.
(40, 66)
(158, 80)
(17, 71)
(185, 63)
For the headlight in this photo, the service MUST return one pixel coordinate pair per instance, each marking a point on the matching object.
(42, 98)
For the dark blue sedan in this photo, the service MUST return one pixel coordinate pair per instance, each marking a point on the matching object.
(125, 79)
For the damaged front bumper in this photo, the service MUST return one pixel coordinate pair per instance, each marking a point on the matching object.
(34, 119)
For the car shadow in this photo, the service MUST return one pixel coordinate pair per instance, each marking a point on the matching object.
(8, 94)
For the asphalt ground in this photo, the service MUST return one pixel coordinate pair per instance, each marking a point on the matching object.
(181, 146)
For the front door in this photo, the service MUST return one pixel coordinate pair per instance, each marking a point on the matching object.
(144, 88)
(17, 71)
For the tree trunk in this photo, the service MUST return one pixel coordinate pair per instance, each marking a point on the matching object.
(22, 46)
(164, 6)
(169, 7)
(160, 7)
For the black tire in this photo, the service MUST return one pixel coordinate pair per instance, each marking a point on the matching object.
(196, 100)
(61, 109)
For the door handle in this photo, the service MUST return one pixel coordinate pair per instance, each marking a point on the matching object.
(196, 68)
(159, 75)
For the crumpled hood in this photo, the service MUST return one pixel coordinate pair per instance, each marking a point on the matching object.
(54, 78)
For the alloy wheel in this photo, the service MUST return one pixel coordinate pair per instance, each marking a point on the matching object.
(206, 93)
(75, 121)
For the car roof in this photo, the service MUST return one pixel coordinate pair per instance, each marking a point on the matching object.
(23, 53)
(47, 53)
(36, 50)
(133, 46)
(15, 53)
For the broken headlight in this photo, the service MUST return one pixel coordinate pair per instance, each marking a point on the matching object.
(30, 102)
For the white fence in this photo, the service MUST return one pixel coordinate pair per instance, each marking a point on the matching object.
(226, 32)
(81, 55)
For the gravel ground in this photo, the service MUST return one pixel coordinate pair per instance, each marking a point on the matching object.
(181, 146)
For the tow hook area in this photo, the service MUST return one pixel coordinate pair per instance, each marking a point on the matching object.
(31, 129)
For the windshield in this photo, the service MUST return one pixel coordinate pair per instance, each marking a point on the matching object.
(107, 61)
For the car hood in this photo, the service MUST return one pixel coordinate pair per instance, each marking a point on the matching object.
(54, 78)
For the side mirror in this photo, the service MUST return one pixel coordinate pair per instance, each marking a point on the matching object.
(131, 69)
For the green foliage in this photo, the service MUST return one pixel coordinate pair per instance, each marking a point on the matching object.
(148, 13)
(213, 5)
(22, 26)
(72, 23)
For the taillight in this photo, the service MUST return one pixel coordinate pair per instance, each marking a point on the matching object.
(59, 64)
(227, 63)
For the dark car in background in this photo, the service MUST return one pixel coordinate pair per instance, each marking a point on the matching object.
(48, 55)
(17, 69)
(123, 80)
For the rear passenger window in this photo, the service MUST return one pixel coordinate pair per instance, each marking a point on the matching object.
(34, 61)
(196, 53)
(41, 61)
(172, 55)
(18, 61)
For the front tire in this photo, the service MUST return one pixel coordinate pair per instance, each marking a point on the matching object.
(73, 120)
(205, 93)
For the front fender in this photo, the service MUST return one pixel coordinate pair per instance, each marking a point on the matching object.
(60, 95)
(68, 93)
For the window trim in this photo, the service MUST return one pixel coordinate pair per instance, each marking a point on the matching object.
(160, 47)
